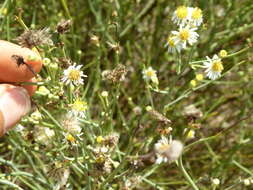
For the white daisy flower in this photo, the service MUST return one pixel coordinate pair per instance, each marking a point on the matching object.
(172, 45)
(79, 108)
(181, 15)
(167, 151)
(185, 35)
(73, 75)
(213, 67)
(196, 16)
(150, 74)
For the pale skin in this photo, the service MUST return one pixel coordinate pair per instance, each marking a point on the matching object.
(15, 100)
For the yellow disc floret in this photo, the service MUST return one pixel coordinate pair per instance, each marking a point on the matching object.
(171, 41)
(70, 138)
(74, 75)
(217, 66)
(184, 34)
(196, 13)
(150, 73)
(182, 12)
(80, 105)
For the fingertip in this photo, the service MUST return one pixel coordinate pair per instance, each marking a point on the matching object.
(14, 103)
(31, 88)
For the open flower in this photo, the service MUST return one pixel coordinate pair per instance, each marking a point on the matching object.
(196, 16)
(73, 75)
(185, 35)
(167, 151)
(150, 74)
(172, 45)
(213, 67)
(79, 108)
(181, 15)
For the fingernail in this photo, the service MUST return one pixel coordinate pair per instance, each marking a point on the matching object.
(14, 103)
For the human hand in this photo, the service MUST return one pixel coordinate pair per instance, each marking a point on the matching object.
(15, 100)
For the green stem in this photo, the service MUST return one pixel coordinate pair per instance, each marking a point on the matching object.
(186, 175)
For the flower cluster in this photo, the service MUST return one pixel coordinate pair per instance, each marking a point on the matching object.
(188, 19)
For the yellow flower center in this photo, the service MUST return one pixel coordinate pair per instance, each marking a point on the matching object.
(80, 105)
(171, 41)
(164, 147)
(74, 75)
(196, 13)
(99, 139)
(182, 12)
(150, 74)
(70, 138)
(217, 66)
(184, 34)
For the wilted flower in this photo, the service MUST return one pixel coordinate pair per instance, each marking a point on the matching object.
(63, 26)
(132, 182)
(43, 135)
(214, 67)
(167, 151)
(73, 75)
(71, 124)
(192, 112)
(33, 38)
(116, 75)
(158, 116)
(95, 40)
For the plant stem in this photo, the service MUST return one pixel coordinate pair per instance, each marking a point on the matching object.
(186, 175)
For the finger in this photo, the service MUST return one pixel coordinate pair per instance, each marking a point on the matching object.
(14, 103)
(30, 88)
(10, 71)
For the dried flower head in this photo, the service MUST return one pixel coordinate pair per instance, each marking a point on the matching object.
(71, 124)
(158, 116)
(33, 38)
(63, 26)
(192, 112)
(112, 139)
(95, 40)
(115, 47)
(116, 75)
(43, 135)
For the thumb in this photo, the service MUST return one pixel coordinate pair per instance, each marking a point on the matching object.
(14, 103)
